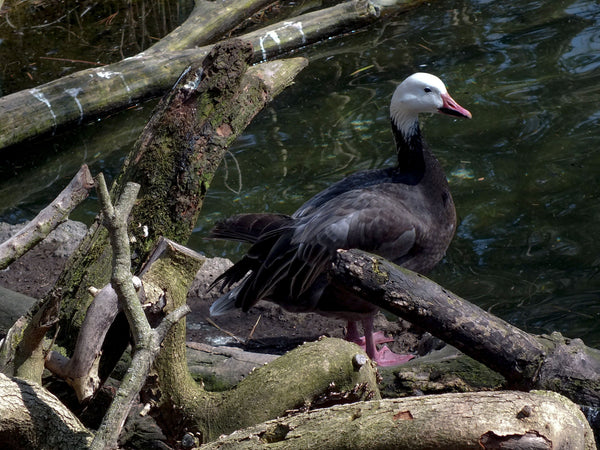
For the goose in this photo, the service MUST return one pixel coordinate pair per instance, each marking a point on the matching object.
(403, 213)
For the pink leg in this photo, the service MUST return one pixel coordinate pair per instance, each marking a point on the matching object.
(352, 335)
(384, 357)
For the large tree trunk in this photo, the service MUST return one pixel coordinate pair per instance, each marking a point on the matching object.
(173, 170)
(87, 94)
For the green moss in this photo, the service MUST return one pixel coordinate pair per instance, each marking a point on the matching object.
(382, 275)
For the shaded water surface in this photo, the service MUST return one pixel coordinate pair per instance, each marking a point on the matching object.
(524, 172)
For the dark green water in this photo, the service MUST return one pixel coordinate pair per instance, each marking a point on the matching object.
(524, 172)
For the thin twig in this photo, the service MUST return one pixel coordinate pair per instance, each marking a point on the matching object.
(210, 321)
(254, 327)
(92, 63)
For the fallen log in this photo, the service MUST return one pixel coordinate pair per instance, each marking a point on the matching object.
(535, 420)
(87, 94)
(527, 361)
(31, 417)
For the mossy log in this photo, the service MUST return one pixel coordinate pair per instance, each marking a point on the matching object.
(526, 361)
(173, 170)
(441, 371)
(325, 372)
(87, 94)
(535, 420)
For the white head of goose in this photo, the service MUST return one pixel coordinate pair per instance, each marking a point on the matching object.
(403, 213)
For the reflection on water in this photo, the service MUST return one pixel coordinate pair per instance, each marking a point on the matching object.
(524, 171)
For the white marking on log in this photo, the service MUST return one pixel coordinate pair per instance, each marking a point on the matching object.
(74, 92)
(39, 95)
(107, 74)
(272, 35)
(297, 26)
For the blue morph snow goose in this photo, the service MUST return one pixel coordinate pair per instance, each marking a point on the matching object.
(403, 213)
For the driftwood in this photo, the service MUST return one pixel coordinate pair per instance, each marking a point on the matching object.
(87, 94)
(48, 219)
(517, 420)
(526, 361)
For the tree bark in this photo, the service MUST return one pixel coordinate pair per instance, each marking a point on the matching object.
(536, 420)
(328, 371)
(526, 361)
(21, 353)
(146, 340)
(173, 170)
(87, 94)
(31, 417)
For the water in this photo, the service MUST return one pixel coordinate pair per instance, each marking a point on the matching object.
(523, 172)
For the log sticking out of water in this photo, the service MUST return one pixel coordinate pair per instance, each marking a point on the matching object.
(87, 94)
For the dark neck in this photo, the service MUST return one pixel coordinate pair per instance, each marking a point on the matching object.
(410, 150)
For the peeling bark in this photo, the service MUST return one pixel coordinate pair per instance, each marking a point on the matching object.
(536, 420)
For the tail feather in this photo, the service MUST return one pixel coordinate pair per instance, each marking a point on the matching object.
(224, 303)
(248, 227)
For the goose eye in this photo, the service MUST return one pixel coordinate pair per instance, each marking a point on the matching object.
(427, 90)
